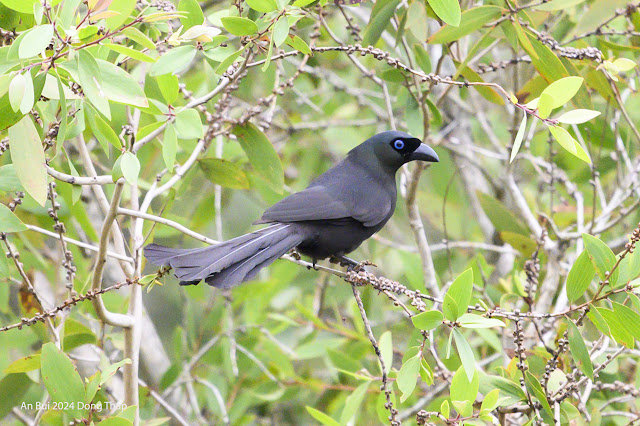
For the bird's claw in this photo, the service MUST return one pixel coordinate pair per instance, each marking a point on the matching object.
(350, 264)
(360, 266)
(295, 254)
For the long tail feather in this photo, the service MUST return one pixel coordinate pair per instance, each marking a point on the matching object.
(229, 263)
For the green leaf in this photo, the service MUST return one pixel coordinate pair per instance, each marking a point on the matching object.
(62, 129)
(578, 116)
(545, 105)
(35, 41)
(580, 277)
(230, 59)
(139, 37)
(490, 401)
(408, 375)
(9, 180)
(25, 6)
(353, 402)
(173, 61)
(76, 334)
(188, 124)
(120, 86)
(169, 147)
(579, 350)
(385, 343)
(599, 321)
(447, 10)
(87, 32)
(9, 222)
(563, 90)
(92, 387)
(91, 81)
(536, 389)
(519, 136)
(464, 388)
(27, 156)
(193, 13)
(108, 372)
(445, 410)
(427, 320)
(261, 154)
(280, 31)
(628, 318)
(224, 173)
(130, 166)
(465, 353)
(450, 308)
(5, 82)
(147, 279)
(422, 58)
(239, 26)
(299, 44)
(545, 61)
(470, 20)
(132, 53)
(169, 87)
(602, 257)
(477, 321)
(629, 267)
(380, 18)
(500, 216)
(489, 93)
(13, 388)
(617, 328)
(264, 6)
(17, 92)
(621, 64)
(461, 290)
(103, 131)
(323, 418)
(61, 378)
(22, 365)
(507, 388)
(417, 19)
(523, 39)
(123, 8)
(564, 138)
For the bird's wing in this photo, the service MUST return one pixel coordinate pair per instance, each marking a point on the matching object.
(314, 203)
(317, 203)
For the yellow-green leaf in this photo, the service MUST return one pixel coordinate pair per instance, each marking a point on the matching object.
(447, 10)
(261, 154)
(27, 156)
(580, 276)
(470, 20)
(224, 173)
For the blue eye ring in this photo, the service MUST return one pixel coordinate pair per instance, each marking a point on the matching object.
(398, 144)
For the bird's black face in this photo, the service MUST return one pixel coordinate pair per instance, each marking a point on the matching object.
(395, 148)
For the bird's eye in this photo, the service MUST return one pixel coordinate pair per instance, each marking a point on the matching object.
(398, 144)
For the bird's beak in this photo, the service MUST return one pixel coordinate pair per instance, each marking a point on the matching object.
(424, 153)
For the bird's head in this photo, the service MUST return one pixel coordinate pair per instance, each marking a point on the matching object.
(394, 148)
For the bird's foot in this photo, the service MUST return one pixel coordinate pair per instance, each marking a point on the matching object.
(350, 264)
(360, 266)
(313, 265)
(295, 254)
(343, 261)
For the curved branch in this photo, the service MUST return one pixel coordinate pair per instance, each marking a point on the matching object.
(111, 318)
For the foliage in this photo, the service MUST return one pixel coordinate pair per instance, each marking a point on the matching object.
(506, 287)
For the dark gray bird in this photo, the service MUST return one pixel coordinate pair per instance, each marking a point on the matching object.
(332, 217)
